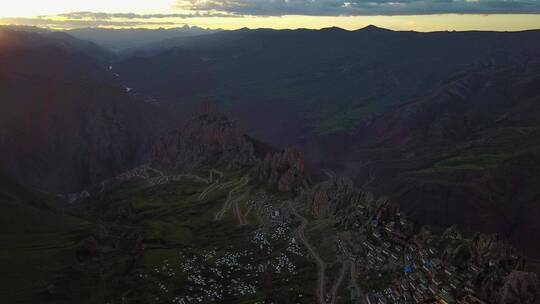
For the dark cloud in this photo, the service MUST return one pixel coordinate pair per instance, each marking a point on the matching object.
(109, 16)
(360, 7)
(101, 19)
(52, 23)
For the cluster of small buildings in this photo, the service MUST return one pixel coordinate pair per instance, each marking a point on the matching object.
(293, 247)
(419, 273)
(260, 239)
(213, 275)
(282, 263)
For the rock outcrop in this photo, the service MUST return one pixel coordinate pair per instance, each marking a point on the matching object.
(209, 139)
(520, 287)
(284, 169)
(488, 248)
(332, 195)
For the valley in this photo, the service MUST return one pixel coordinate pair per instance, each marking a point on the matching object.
(221, 233)
(448, 134)
(266, 166)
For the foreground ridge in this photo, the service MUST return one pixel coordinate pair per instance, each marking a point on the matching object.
(333, 224)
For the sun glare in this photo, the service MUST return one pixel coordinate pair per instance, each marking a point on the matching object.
(44, 13)
(32, 8)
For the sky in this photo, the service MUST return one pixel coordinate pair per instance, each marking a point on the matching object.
(420, 15)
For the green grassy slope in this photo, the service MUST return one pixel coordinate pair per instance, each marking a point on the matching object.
(143, 243)
(36, 241)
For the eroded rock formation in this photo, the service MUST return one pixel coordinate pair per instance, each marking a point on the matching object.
(284, 169)
(520, 287)
(329, 196)
(208, 139)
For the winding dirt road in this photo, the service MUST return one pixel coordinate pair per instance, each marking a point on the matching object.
(320, 263)
(354, 284)
(244, 217)
(344, 266)
(228, 203)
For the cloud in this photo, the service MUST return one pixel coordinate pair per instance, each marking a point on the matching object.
(54, 23)
(109, 16)
(102, 19)
(187, 9)
(359, 7)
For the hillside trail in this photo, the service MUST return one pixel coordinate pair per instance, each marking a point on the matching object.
(144, 172)
(245, 220)
(163, 179)
(320, 263)
(228, 203)
(354, 284)
(214, 184)
(345, 265)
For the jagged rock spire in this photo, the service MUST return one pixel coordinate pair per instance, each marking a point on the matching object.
(209, 138)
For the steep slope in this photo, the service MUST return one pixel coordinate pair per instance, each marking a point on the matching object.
(26, 36)
(228, 231)
(315, 81)
(209, 138)
(64, 123)
(449, 132)
(129, 40)
(37, 239)
(466, 154)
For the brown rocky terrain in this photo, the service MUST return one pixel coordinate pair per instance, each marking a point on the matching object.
(520, 287)
(449, 134)
(210, 138)
(327, 197)
(284, 169)
(466, 154)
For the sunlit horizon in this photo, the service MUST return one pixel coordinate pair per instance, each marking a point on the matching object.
(35, 8)
(64, 15)
(421, 23)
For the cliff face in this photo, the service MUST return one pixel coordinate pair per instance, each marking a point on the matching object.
(329, 196)
(63, 123)
(210, 139)
(465, 154)
(72, 141)
(284, 169)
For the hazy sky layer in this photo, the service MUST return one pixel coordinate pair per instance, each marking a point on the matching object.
(421, 15)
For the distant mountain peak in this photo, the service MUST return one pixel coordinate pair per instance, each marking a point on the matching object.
(334, 29)
(373, 28)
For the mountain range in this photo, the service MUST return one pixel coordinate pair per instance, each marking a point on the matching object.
(65, 124)
(442, 122)
(125, 40)
(445, 123)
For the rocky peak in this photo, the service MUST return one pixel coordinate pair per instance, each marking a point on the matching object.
(209, 138)
(284, 169)
(332, 195)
